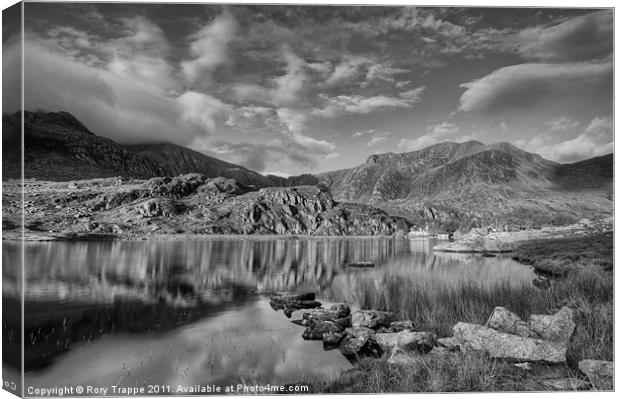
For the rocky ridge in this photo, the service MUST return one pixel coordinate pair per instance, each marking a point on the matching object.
(451, 185)
(187, 204)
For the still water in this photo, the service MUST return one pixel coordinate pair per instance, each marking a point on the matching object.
(134, 313)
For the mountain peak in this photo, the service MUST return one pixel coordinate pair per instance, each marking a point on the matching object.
(57, 119)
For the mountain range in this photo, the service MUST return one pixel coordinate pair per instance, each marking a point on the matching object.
(447, 183)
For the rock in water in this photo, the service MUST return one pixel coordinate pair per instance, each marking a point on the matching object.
(507, 346)
(599, 372)
(405, 340)
(354, 340)
(558, 327)
(317, 330)
(290, 302)
(371, 318)
(506, 321)
(339, 311)
(331, 338)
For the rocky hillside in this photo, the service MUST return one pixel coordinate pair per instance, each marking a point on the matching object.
(177, 160)
(472, 183)
(188, 204)
(58, 147)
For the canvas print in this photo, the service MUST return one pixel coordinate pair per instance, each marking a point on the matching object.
(302, 199)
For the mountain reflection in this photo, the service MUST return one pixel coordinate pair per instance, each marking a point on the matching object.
(77, 292)
(179, 272)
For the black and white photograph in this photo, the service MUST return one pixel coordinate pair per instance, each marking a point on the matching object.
(203, 198)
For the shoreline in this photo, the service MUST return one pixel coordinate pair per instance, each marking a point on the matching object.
(60, 237)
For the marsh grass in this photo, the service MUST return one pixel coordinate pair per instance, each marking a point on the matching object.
(587, 287)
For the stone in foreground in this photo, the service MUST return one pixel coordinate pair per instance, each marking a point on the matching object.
(318, 329)
(507, 346)
(506, 321)
(558, 327)
(599, 372)
(355, 342)
(405, 340)
(339, 313)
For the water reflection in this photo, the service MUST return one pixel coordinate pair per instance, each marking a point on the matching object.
(194, 308)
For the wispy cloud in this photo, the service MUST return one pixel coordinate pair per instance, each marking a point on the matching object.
(529, 84)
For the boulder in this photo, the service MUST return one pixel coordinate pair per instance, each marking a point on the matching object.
(371, 318)
(337, 311)
(599, 372)
(355, 339)
(405, 340)
(359, 332)
(507, 346)
(506, 321)
(332, 338)
(566, 384)
(292, 302)
(558, 327)
(355, 348)
(318, 329)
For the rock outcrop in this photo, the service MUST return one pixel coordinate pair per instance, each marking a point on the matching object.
(194, 204)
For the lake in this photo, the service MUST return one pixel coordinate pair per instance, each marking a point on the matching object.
(134, 313)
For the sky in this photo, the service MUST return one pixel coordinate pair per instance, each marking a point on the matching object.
(307, 89)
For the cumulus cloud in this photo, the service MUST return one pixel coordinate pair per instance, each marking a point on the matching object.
(200, 109)
(561, 123)
(595, 140)
(281, 90)
(139, 53)
(435, 134)
(528, 84)
(209, 48)
(581, 38)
